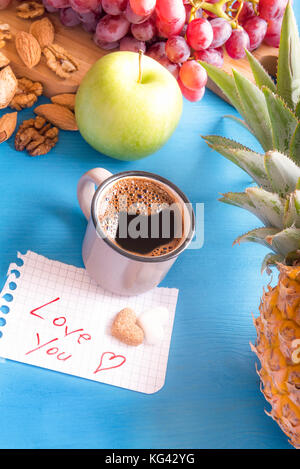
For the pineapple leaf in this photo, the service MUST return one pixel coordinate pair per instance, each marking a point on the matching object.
(270, 259)
(226, 84)
(283, 173)
(239, 199)
(258, 235)
(262, 78)
(224, 142)
(283, 121)
(240, 122)
(288, 72)
(255, 110)
(246, 159)
(269, 207)
(285, 241)
(262, 206)
(292, 210)
(295, 145)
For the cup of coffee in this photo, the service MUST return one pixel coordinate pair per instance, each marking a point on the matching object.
(138, 224)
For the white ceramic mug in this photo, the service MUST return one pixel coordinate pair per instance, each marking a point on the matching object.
(113, 268)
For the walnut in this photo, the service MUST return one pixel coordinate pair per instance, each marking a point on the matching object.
(5, 34)
(37, 136)
(29, 10)
(27, 94)
(60, 61)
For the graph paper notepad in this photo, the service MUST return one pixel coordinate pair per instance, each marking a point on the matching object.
(54, 316)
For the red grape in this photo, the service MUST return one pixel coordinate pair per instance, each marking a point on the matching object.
(112, 28)
(170, 11)
(169, 29)
(144, 31)
(105, 45)
(237, 43)
(133, 17)
(83, 6)
(114, 7)
(222, 31)
(4, 4)
(157, 51)
(172, 68)
(131, 44)
(177, 49)
(193, 75)
(142, 7)
(58, 3)
(270, 10)
(89, 17)
(69, 17)
(246, 13)
(191, 95)
(98, 9)
(211, 56)
(256, 28)
(49, 7)
(188, 8)
(272, 38)
(199, 34)
(90, 27)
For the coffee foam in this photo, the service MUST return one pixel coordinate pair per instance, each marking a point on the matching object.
(135, 195)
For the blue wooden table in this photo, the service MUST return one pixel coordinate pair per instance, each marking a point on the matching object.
(211, 397)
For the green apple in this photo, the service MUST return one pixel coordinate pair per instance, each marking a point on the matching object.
(128, 106)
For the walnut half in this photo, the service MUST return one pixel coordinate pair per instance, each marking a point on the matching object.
(5, 34)
(60, 61)
(37, 136)
(27, 94)
(29, 10)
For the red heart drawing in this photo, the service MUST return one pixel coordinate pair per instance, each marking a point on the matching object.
(120, 360)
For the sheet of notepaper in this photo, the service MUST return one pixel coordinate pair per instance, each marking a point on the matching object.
(54, 316)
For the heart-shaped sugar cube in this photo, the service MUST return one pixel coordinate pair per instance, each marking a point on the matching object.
(152, 322)
(126, 329)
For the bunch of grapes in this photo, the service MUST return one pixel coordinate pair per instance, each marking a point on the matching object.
(177, 33)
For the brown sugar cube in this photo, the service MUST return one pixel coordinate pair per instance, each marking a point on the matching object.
(125, 329)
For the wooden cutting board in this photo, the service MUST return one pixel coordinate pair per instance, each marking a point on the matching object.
(80, 44)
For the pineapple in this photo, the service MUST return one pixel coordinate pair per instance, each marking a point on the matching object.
(272, 114)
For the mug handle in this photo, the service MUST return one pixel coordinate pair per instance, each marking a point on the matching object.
(86, 188)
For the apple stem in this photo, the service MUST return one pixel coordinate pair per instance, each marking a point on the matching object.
(141, 53)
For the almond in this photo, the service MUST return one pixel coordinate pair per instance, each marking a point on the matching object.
(43, 31)
(3, 60)
(59, 116)
(28, 49)
(65, 99)
(8, 124)
(8, 86)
